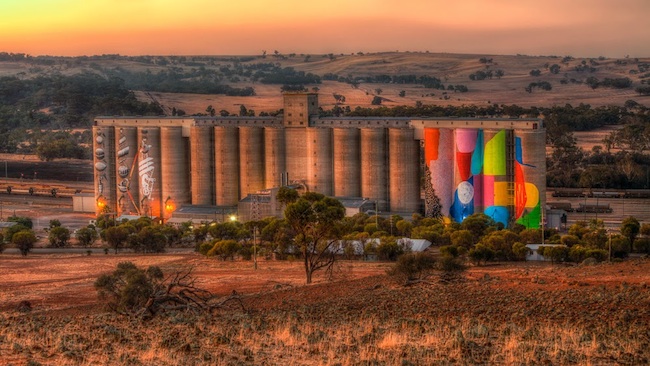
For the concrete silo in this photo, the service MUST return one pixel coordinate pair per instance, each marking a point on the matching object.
(175, 171)
(128, 180)
(251, 160)
(226, 158)
(404, 178)
(374, 172)
(319, 160)
(149, 171)
(530, 177)
(201, 165)
(104, 169)
(347, 162)
(274, 155)
(296, 153)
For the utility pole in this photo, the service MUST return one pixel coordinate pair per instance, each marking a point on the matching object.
(255, 247)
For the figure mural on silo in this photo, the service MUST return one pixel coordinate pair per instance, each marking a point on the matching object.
(126, 201)
(100, 165)
(146, 170)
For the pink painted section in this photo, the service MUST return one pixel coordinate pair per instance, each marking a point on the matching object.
(488, 190)
(466, 140)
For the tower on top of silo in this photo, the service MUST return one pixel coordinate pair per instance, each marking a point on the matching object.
(298, 107)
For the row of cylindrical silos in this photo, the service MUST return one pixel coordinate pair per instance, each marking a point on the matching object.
(143, 167)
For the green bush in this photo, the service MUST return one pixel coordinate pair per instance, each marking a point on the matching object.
(598, 254)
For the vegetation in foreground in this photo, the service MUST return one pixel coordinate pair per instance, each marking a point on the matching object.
(534, 315)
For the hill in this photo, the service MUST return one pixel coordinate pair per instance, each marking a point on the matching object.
(489, 79)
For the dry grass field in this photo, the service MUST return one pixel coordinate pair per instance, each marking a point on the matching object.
(511, 314)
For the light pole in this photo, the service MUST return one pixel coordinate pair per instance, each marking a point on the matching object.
(610, 246)
(255, 248)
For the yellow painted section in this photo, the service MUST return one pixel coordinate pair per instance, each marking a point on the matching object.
(532, 195)
(495, 155)
(501, 194)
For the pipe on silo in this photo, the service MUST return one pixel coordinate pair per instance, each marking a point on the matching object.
(251, 160)
(347, 162)
(174, 170)
(274, 155)
(374, 172)
(128, 179)
(319, 160)
(226, 158)
(201, 165)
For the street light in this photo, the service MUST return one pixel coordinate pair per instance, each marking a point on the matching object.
(169, 206)
(233, 218)
(255, 247)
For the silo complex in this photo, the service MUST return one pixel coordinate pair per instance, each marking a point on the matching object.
(449, 166)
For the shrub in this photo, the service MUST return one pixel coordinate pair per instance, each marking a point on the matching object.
(449, 251)
(413, 267)
(24, 241)
(480, 253)
(642, 245)
(598, 254)
(450, 264)
(388, 249)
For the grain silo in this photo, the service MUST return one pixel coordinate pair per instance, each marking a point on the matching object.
(149, 169)
(104, 169)
(126, 148)
(530, 182)
(347, 162)
(251, 160)
(319, 162)
(201, 165)
(175, 184)
(274, 155)
(404, 168)
(374, 164)
(226, 158)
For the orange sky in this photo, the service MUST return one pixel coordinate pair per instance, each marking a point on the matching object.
(612, 28)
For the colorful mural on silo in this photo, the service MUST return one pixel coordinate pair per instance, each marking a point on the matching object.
(469, 173)
(527, 199)
(465, 192)
(495, 181)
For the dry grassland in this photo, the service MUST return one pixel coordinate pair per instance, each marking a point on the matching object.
(512, 314)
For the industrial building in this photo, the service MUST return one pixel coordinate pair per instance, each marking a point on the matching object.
(152, 165)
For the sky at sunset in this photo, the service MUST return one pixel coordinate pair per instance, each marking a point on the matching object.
(586, 28)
